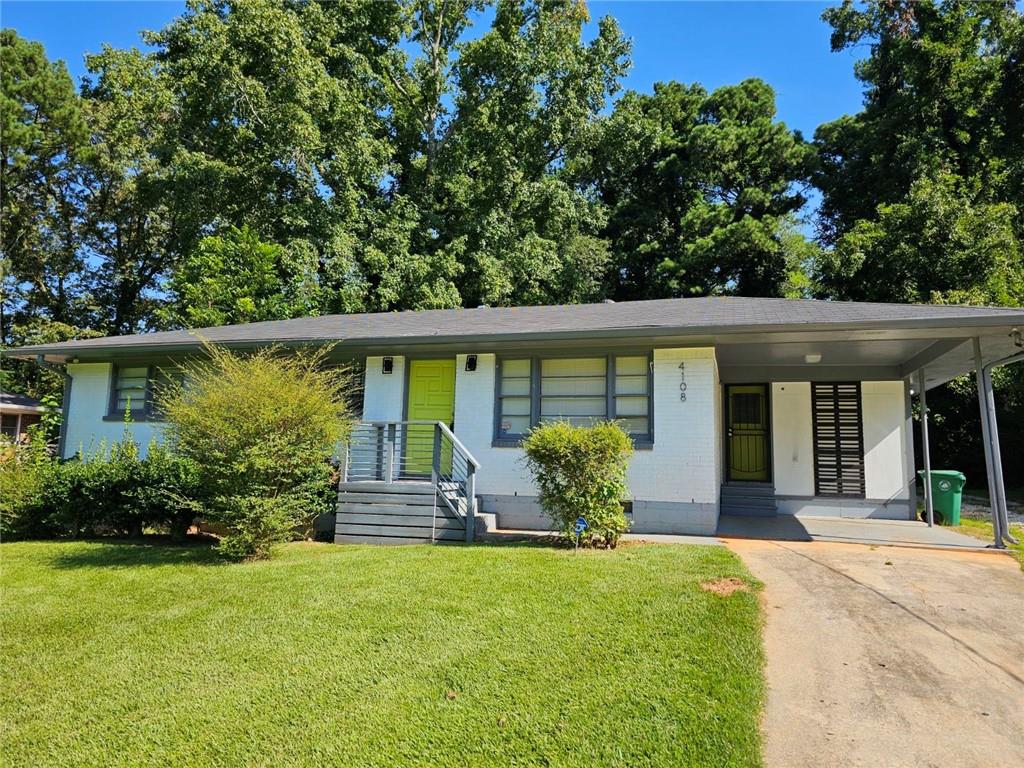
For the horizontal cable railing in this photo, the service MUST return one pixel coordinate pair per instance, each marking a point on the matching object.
(426, 451)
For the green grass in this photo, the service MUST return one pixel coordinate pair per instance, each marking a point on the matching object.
(117, 654)
(982, 529)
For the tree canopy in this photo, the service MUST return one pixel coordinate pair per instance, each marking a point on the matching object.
(275, 158)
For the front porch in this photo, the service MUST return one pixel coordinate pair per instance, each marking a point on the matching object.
(405, 482)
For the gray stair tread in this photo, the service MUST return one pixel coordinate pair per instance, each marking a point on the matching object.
(355, 539)
(412, 532)
(748, 512)
(378, 486)
(366, 497)
(397, 510)
(420, 521)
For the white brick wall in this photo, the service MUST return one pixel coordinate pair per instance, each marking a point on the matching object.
(683, 466)
(886, 442)
(90, 397)
(384, 394)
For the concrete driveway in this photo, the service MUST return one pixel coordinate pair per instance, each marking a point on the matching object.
(884, 656)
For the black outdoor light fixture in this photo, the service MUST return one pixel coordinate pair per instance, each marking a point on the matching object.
(471, 363)
(387, 365)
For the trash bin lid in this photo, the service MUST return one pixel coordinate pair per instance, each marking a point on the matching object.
(950, 473)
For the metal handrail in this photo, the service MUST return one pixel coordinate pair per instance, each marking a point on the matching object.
(458, 444)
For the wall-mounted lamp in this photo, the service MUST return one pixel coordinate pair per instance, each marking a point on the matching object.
(1018, 338)
(812, 358)
(470, 363)
(387, 365)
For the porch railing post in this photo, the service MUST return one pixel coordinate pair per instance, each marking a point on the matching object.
(389, 453)
(435, 458)
(470, 503)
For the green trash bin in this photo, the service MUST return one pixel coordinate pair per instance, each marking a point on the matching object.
(947, 487)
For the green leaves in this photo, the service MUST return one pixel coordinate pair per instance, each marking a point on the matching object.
(581, 471)
(260, 429)
(699, 186)
(922, 193)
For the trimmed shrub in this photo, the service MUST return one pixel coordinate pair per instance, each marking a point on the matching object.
(112, 491)
(261, 429)
(581, 471)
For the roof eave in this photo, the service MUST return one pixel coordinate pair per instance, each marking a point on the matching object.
(67, 350)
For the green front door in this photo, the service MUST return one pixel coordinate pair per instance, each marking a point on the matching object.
(747, 439)
(431, 398)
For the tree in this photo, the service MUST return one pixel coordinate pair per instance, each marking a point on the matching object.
(700, 187)
(923, 190)
(935, 244)
(483, 131)
(42, 133)
(275, 127)
(236, 278)
(132, 234)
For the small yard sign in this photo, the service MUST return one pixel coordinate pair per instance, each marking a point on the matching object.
(580, 527)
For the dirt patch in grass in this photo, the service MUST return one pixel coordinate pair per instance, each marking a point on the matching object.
(725, 587)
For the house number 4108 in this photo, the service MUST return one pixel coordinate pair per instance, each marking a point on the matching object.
(682, 382)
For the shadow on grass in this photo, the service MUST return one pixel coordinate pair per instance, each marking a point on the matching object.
(148, 552)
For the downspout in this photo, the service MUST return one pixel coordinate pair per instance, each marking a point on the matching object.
(1000, 509)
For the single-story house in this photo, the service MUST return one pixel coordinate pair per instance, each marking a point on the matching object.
(18, 413)
(735, 405)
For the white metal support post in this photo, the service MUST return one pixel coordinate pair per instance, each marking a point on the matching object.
(926, 452)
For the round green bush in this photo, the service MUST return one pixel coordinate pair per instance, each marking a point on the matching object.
(581, 471)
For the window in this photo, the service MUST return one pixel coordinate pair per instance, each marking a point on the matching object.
(580, 390)
(575, 390)
(137, 388)
(514, 401)
(9, 425)
(633, 394)
(131, 391)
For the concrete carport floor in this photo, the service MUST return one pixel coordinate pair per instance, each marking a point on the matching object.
(885, 656)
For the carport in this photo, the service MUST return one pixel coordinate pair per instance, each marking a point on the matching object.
(982, 355)
(923, 351)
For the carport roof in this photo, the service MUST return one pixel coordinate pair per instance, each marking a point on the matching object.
(696, 320)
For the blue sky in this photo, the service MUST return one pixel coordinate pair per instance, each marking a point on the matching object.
(784, 43)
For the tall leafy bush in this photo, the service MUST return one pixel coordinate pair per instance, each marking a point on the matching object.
(25, 471)
(260, 428)
(581, 471)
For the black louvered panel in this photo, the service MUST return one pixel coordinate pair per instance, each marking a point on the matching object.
(838, 440)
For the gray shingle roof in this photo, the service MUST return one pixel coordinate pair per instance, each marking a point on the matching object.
(694, 316)
(21, 401)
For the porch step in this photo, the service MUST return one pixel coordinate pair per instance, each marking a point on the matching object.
(750, 499)
(372, 512)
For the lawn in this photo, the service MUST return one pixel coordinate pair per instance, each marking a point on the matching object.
(121, 654)
(982, 529)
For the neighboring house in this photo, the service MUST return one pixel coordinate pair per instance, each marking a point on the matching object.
(18, 413)
(735, 405)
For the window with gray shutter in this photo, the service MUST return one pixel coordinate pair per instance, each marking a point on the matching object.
(580, 390)
(838, 439)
